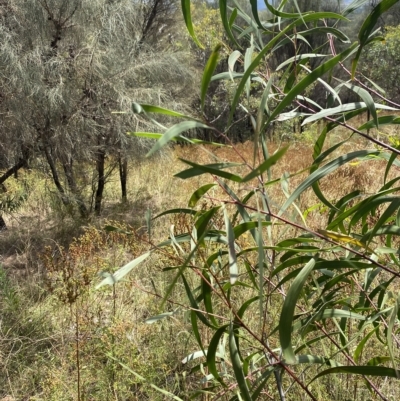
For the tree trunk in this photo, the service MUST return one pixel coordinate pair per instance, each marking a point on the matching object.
(22, 162)
(69, 174)
(3, 225)
(54, 174)
(101, 157)
(123, 175)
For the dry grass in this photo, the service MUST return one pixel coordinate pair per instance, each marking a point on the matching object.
(42, 366)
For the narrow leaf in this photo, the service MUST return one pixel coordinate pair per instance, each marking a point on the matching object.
(207, 74)
(237, 366)
(288, 309)
(379, 371)
(233, 267)
(111, 279)
(197, 195)
(174, 131)
(185, 5)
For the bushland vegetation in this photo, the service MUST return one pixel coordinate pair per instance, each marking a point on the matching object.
(253, 254)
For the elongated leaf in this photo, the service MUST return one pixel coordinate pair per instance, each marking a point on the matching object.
(237, 366)
(390, 210)
(185, 5)
(323, 171)
(232, 75)
(206, 293)
(212, 353)
(195, 329)
(302, 84)
(111, 279)
(233, 57)
(202, 224)
(343, 109)
(140, 108)
(174, 131)
(367, 98)
(197, 195)
(247, 61)
(233, 267)
(201, 169)
(223, 9)
(194, 355)
(143, 380)
(265, 165)
(368, 26)
(154, 319)
(309, 79)
(254, 9)
(297, 58)
(378, 371)
(391, 333)
(207, 74)
(384, 120)
(370, 22)
(287, 313)
(193, 303)
(194, 171)
(240, 229)
(342, 238)
(154, 135)
(176, 211)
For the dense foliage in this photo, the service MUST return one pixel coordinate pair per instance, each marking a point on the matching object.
(276, 305)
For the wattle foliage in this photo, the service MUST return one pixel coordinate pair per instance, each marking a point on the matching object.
(333, 287)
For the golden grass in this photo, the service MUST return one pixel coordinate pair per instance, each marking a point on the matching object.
(44, 367)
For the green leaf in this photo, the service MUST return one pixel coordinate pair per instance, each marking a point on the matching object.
(342, 109)
(298, 58)
(233, 57)
(111, 279)
(197, 195)
(287, 313)
(176, 211)
(318, 72)
(208, 71)
(254, 6)
(237, 366)
(153, 135)
(185, 5)
(202, 224)
(194, 305)
(195, 329)
(370, 22)
(265, 165)
(378, 371)
(247, 61)
(156, 318)
(384, 120)
(194, 171)
(241, 228)
(147, 108)
(367, 28)
(210, 169)
(226, 23)
(325, 170)
(212, 352)
(206, 292)
(367, 98)
(143, 380)
(391, 332)
(309, 79)
(233, 267)
(174, 131)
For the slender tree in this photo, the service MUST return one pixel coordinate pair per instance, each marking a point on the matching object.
(67, 66)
